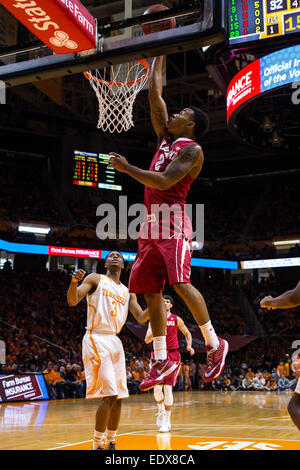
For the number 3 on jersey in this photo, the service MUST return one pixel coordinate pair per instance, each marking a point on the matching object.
(114, 311)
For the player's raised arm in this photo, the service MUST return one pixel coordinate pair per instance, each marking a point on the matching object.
(188, 158)
(187, 334)
(158, 108)
(75, 293)
(289, 299)
(139, 314)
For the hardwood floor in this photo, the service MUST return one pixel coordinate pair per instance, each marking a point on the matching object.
(200, 420)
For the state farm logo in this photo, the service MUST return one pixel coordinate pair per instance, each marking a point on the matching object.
(63, 39)
(42, 22)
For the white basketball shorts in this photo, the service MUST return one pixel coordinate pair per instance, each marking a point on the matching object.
(104, 365)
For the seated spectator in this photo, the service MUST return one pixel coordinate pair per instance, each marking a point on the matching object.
(50, 385)
(218, 384)
(247, 383)
(250, 373)
(227, 383)
(283, 383)
(259, 382)
(271, 385)
(79, 382)
(71, 380)
(58, 382)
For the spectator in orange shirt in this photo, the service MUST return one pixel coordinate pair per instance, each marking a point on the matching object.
(58, 382)
(250, 374)
(280, 369)
(48, 374)
(287, 368)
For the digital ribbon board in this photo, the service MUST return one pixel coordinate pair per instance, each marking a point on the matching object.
(263, 75)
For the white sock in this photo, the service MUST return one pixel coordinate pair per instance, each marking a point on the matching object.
(161, 406)
(160, 348)
(98, 440)
(168, 415)
(110, 436)
(209, 335)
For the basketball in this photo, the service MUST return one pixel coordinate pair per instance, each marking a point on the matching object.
(157, 26)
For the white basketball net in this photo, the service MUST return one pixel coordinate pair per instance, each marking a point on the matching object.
(116, 88)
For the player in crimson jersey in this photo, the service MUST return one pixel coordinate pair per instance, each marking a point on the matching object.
(289, 299)
(163, 392)
(167, 256)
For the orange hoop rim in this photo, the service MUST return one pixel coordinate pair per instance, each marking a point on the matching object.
(143, 62)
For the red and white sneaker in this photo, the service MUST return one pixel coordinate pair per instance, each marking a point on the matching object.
(158, 372)
(215, 360)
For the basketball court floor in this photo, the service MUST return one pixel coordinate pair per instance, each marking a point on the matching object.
(200, 421)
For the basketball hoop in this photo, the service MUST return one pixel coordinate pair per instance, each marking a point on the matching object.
(116, 88)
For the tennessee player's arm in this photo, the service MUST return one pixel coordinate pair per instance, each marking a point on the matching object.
(158, 108)
(139, 314)
(77, 293)
(187, 334)
(289, 299)
(149, 335)
(188, 158)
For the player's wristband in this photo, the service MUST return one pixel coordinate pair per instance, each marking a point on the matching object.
(74, 279)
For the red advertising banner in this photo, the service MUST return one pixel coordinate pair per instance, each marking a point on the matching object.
(20, 387)
(245, 85)
(65, 26)
(76, 252)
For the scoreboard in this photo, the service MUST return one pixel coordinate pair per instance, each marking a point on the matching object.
(90, 170)
(252, 20)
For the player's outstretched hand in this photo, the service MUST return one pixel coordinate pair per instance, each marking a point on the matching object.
(78, 275)
(117, 162)
(191, 351)
(265, 302)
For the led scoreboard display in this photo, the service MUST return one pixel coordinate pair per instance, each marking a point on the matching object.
(252, 20)
(90, 170)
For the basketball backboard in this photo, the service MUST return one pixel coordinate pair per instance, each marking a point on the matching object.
(121, 38)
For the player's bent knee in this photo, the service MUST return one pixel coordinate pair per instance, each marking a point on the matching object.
(181, 288)
(158, 393)
(168, 400)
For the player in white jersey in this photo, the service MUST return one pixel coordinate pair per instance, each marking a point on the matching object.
(289, 299)
(108, 303)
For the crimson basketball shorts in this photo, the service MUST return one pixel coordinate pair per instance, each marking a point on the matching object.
(174, 356)
(161, 260)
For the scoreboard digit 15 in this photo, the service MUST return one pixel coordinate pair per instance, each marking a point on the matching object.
(253, 20)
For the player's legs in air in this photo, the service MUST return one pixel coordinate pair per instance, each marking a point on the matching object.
(147, 277)
(177, 256)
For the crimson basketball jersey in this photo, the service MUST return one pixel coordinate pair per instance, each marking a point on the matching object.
(165, 153)
(172, 333)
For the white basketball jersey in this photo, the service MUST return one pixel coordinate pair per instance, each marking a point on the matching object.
(107, 307)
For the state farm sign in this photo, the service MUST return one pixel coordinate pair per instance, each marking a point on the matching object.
(63, 25)
(245, 85)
